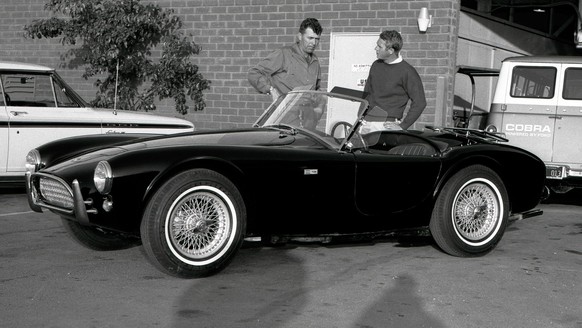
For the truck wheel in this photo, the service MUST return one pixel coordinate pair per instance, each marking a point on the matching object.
(194, 224)
(470, 213)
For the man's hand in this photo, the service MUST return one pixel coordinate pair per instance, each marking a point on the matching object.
(274, 93)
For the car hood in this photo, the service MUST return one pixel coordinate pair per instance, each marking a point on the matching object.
(240, 137)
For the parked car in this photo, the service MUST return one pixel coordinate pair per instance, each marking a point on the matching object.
(192, 198)
(537, 106)
(37, 106)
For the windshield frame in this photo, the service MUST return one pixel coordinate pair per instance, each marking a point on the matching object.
(282, 105)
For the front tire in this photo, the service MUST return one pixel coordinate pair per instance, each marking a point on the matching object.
(97, 239)
(194, 224)
(471, 212)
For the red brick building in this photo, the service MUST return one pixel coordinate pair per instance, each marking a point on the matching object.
(235, 34)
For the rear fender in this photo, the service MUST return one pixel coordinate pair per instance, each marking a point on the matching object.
(465, 162)
(521, 189)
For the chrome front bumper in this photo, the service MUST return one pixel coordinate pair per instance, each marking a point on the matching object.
(38, 199)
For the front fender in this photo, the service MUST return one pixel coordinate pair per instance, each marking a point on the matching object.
(220, 165)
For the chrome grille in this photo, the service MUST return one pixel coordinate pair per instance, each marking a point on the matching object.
(55, 192)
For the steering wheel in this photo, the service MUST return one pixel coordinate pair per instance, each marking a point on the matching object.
(340, 130)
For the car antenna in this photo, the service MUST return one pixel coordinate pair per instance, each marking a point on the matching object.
(115, 96)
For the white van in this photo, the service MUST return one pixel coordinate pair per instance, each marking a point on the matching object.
(538, 106)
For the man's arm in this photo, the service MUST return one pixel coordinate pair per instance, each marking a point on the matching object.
(260, 75)
(415, 91)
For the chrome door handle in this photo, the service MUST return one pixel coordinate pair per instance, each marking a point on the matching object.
(16, 113)
(556, 117)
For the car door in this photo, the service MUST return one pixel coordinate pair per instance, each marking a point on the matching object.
(397, 173)
(39, 110)
(302, 190)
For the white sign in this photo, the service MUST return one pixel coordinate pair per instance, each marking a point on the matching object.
(361, 68)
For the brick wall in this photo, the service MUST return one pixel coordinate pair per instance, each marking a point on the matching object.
(236, 34)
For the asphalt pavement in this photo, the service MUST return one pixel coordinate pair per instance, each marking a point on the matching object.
(532, 279)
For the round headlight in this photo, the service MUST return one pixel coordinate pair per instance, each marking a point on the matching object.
(103, 177)
(491, 129)
(32, 161)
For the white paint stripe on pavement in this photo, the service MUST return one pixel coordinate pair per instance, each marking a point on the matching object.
(16, 213)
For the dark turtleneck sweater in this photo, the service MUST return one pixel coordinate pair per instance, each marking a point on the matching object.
(390, 86)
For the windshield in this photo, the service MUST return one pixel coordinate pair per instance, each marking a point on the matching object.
(328, 116)
(37, 89)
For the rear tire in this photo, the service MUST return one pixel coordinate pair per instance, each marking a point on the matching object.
(194, 224)
(471, 212)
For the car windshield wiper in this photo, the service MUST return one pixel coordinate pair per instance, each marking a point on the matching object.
(291, 130)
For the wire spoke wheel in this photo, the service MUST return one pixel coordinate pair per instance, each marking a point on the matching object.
(471, 212)
(194, 224)
(199, 225)
(476, 211)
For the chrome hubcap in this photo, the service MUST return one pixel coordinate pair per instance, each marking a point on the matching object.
(476, 211)
(199, 225)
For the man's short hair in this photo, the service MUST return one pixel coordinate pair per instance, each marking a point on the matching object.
(393, 40)
(311, 23)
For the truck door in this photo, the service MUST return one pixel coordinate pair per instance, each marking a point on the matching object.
(568, 133)
(527, 112)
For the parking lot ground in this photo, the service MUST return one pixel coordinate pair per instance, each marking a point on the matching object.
(532, 279)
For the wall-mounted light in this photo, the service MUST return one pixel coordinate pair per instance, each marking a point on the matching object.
(424, 20)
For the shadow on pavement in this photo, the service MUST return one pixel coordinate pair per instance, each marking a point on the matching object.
(273, 287)
(12, 190)
(572, 197)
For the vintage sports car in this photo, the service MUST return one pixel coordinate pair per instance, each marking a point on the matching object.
(37, 106)
(305, 169)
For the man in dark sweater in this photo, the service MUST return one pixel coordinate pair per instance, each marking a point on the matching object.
(391, 84)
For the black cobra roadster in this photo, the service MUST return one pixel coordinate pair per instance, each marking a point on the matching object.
(310, 167)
